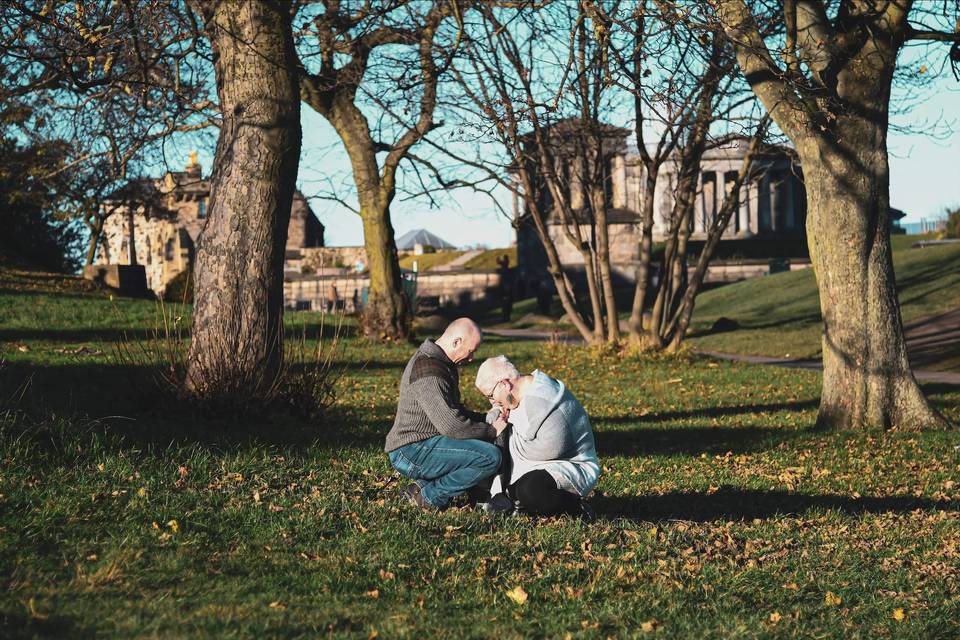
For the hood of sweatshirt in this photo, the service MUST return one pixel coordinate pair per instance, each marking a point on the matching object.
(542, 399)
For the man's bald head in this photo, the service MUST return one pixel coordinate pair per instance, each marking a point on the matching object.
(460, 340)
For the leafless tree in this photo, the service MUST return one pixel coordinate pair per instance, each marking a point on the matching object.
(827, 85)
(361, 60)
(112, 82)
(534, 82)
(684, 91)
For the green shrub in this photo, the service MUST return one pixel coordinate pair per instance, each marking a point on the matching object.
(953, 223)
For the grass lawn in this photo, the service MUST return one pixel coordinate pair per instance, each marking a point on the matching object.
(427, 261)
(488, 259)
(779, 315)
(721, 514)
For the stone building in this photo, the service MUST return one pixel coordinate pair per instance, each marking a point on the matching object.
(156, 224)
(772, 202)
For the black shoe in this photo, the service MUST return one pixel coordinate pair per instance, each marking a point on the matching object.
(414, 497)
(500, 504)
(587, 514)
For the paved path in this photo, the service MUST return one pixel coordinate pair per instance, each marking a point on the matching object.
(926, 339)
(458, 262)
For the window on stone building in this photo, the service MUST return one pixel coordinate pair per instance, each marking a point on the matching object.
(608, 180)
(168, 250)
(202, 209)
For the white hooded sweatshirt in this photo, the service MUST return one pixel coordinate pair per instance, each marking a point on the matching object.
(551, 431)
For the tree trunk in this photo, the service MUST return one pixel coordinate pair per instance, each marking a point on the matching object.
(646, 256)
(606, 277)
(95, 228)
(840, 132)
(237, 350)
(388, 313)
(867, 380)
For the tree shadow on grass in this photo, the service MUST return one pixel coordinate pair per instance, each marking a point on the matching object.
(129, 402)
(691, 440)
(707, 412)
(14, 626)
(68, 336)
(730, 503)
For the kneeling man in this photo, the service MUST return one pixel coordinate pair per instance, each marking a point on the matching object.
(435, 441)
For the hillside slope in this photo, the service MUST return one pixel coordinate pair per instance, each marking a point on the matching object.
(779, 315)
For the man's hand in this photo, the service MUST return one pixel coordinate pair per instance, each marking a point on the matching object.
(500, 423)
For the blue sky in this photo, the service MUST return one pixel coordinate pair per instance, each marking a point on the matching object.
(924, 179)
(924, 171)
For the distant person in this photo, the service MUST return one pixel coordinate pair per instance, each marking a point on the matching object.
(544, 296)
(332, 298)
(506, 287)
(436, 441)
(549, 455)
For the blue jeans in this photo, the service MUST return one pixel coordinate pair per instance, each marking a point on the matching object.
(445, 467)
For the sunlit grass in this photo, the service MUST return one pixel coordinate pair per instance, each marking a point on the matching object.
(721, 514)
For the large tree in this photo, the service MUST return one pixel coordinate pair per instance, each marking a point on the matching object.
(236, 350)
(831, 96)
(534, 84)
(357, 56)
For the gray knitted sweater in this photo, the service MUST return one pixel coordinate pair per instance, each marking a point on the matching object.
(430, 405)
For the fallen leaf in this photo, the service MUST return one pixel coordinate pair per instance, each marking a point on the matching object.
(373, 593)
(775, 617)
(899, 615)
(649, 626)
(832, 599)
(276, 604)
(518, 595)
(174, 526)
(34, 614)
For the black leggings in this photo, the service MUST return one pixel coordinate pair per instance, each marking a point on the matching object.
(538, 494)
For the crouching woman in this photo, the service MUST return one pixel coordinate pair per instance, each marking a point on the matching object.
(549, 455)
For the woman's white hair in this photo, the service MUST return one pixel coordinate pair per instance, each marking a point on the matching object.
(492, 371)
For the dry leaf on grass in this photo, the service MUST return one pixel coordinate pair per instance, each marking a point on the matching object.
(518, 595)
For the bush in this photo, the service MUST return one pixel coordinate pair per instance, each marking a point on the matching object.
(180, 289)
(953, 223)
(34, 235)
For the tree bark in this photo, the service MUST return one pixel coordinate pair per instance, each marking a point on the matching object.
(840, 132)
(236, 352)
(388, 313)
(95, 226)
(646, 252)
(867, 380)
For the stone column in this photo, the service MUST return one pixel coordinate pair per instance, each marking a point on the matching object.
(619, 178)
(729, 177)
(576, 183)
(747, 204)
(708, 202)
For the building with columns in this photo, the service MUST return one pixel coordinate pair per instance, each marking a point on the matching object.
(772, 202)
(156, 224)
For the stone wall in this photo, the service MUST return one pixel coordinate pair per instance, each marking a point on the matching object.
(448, 290)
(314, 258)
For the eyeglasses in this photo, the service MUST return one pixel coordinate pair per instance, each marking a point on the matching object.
(494, 390)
